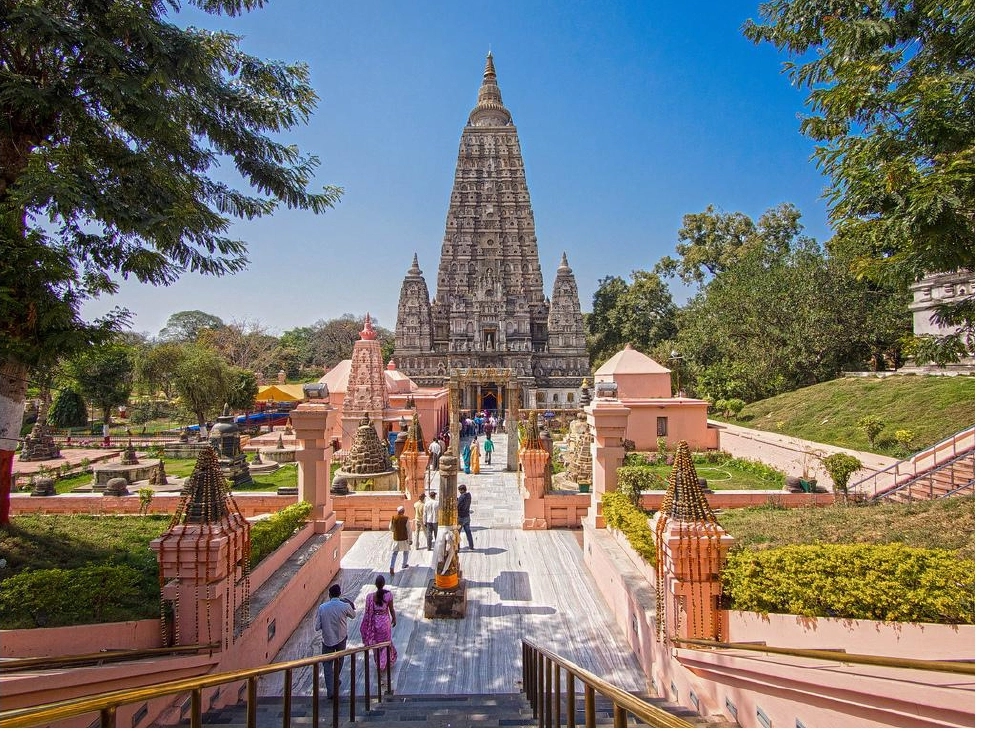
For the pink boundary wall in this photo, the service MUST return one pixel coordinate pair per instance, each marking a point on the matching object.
(786, 690)
(253, 647)
(250, 504)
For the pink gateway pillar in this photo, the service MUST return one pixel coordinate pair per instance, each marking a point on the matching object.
(313, 423)
(607, 418)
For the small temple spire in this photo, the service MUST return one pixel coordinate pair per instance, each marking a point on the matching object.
(369, 332)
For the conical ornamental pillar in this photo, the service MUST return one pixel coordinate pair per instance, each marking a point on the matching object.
(413, 461)
(691, 549)
(535, 460)
(446, 597)
(204, 560)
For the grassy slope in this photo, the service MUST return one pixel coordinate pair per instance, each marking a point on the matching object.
(914, 525)
(932, 407)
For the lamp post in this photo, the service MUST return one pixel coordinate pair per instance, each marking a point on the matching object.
(676, 356)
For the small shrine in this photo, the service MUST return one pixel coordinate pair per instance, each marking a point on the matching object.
(225, 438)
(39, 445)
(691, 547)
(204, 560)
(367, 466)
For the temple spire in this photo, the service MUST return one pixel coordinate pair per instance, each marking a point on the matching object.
(490, 110)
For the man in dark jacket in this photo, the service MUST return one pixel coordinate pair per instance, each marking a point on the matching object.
(463, 513)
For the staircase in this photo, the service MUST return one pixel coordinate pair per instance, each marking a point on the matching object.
(953, 477)
(498, 710)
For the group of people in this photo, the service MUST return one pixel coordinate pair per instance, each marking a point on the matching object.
(470, 454)
(377, 623)
(379, 618)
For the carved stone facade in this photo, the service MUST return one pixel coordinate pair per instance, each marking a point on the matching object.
(490, 310)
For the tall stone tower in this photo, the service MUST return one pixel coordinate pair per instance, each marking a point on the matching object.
(490, 310)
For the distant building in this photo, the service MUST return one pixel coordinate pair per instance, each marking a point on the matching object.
(939, 289)
(490, 310)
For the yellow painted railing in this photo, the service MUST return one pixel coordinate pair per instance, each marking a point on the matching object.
(940, 666)
(106, 704)
(542, 672)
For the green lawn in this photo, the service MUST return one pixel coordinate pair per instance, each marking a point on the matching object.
(932, 407)
(284, 476)
(915, 525)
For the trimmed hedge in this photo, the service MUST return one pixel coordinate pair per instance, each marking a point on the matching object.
(62, 597)
(622, 515)
(891, 583)
(270, 533)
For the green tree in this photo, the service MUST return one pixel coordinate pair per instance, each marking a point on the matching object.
(104, 376)
(155, 366)
(891, 95)
(114, 119)
(641, 313)
(203, 381)
(185, 326)
(68, 410)
(841, 466)
(242, 389)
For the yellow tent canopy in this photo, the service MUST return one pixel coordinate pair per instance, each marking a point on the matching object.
(280, 392)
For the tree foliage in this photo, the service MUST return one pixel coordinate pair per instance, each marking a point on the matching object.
(114, 122)
(783, 314)
(641, 313)
(203, 381)
(185, 326)
(104, 376)
(891, 95)
(68, 410)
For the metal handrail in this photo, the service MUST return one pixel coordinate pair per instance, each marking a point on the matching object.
(19, 664)
(940, 666)
(911, 480)
(893, 469)
(542, 674)
(106, 704)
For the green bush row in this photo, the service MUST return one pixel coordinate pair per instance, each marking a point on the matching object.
(84, 595)
(635, 480)
(269, 534)
(755, 467)
(622, 515)
(892, 583)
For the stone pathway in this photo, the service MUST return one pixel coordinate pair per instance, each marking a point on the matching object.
(520, 584)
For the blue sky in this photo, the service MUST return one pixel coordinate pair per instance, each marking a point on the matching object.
(630, 114)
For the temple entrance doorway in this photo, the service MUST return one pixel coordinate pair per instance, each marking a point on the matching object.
(488, 400)
(494, 390)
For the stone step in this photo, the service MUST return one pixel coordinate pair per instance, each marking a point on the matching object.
(436, 711)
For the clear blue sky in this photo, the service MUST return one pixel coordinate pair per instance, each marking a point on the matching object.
(630, 114)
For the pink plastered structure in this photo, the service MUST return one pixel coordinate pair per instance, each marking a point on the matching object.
(657, 606)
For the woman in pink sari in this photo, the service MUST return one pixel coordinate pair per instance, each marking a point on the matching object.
(378, 621)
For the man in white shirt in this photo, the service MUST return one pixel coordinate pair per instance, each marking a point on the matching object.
(435, 450)
(430, 513)
(332, 617)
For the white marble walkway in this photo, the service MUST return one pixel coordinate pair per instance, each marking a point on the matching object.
(520, 584)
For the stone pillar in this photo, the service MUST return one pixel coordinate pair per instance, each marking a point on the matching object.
(511, 425)
(607, 419)
(535, 463)
(313, 423)
(693, 556)
(446, 597)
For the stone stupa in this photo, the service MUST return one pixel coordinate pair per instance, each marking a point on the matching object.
(367, 466)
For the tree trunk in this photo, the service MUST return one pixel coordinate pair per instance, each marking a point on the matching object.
(202, 432)
(13, 391)
(107, 415)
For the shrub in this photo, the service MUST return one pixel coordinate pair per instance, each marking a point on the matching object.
(755, 467)
(146, 497)
(269, 534)
(892, 583)
(632, 481)
(68, 410)
(840, 466)
(62, 597)
(871, 425)
(905, 438)
(622, 515)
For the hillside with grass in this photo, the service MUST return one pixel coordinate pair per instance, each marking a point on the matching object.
(931, 407)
